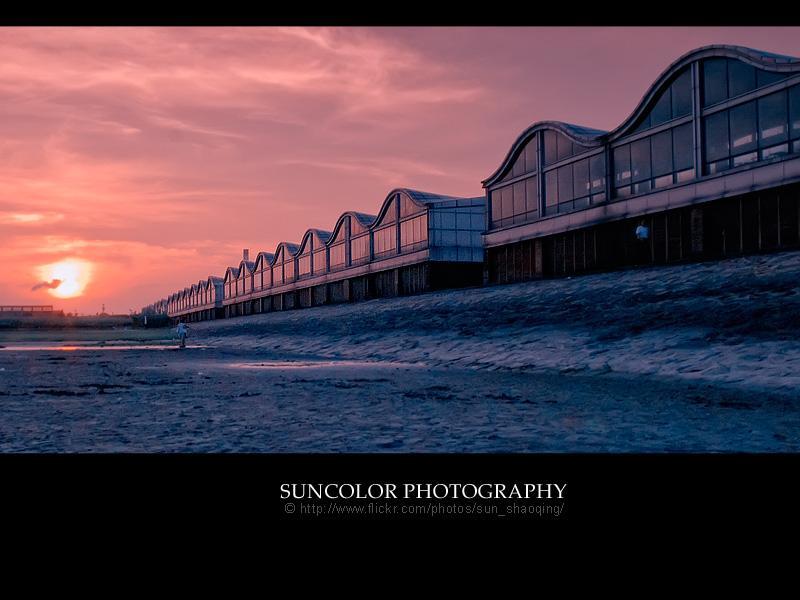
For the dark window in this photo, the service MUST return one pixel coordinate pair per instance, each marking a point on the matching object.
(683, 147)
(715, 81)
(518, 168)
(597, 173)
(682, 95)
(794, 112)
(565, 183)
(773, 119)
(580, 179)
(551, 190)
(661, 152)
(550, 147)
(752, 131)
(716, 136)
(741, 78)
(727, 78)
(674, 102)
(662, 159)
(525, 161)
(558, 146)
(640, 160)
(743, 128)
(531, 195)
(518, 190)
(662, 111)
(532, 156)
(622, 166)
(515, 203)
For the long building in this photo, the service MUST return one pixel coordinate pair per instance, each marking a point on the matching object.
(708, 162)
(416, 242)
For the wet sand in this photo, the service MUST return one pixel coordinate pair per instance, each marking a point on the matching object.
(212, 400)
(681, 359)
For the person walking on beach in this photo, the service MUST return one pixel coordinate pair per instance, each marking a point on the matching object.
(182, 331)
(643, 241)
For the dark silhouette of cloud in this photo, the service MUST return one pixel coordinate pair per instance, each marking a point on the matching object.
(52, 284)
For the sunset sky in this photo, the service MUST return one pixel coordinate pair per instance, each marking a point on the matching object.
(144, 159)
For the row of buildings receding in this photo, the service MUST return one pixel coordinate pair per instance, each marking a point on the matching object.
(709, 160)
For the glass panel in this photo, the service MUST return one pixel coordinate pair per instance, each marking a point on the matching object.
(319, 262)
(304, 265)
(775, 151)
(640, 160)
(718, 167)
(531, 195)
(508, 204)
(519, 198)
(565, 147)
(337, 256)
(408, 207)
(384, 241)
(663, 181)
(743, 128)
(551, 189)
(741, 78)
(716, 136)
(580, 179)
(662, 111)
(518, 168)
(340, 233)
(715, 81)
(550, 147)
(496, 204)
(565, 183)
(643, 124)
(356, 226)
(682, 95)
(683, 147)
(531, 155)
(794, 111)
(622, 165)
(773, 119)
(414, 232)
(288, 270)
(581, 203)
(766, 77)
(359, 249)
(390, 214)
(597, 172)
(745, 159)
(661, 146)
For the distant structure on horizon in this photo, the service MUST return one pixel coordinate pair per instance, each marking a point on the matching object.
(708, 162)
(37, 310)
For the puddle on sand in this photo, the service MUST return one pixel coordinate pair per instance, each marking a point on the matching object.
(65, 347)
(315, 364)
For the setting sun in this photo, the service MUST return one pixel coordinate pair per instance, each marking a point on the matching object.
(66, 279)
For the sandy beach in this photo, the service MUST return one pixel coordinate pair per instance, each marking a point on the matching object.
(682, 359)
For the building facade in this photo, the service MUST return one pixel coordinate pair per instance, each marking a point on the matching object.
(709, 160)
(417, 242)
(708, 163)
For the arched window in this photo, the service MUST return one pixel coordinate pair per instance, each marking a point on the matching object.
(672, 103)
(725, 78)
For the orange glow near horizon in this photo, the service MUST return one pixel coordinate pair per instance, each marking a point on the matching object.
(66, 279)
